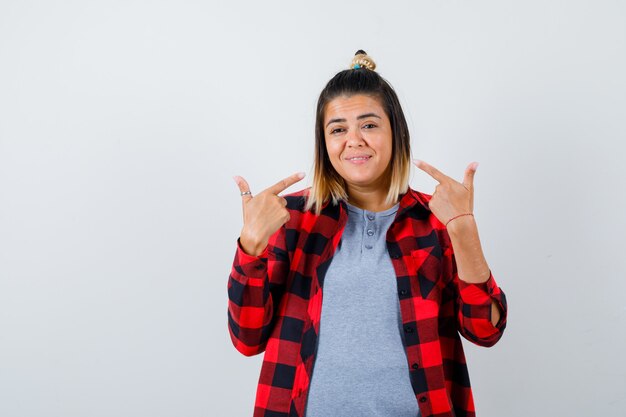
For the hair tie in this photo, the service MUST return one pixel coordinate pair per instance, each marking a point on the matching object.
(362, 60)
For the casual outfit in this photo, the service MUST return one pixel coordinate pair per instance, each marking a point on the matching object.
(360, 366)
(377, 347)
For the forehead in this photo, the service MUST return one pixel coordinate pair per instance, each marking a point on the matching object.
(349, 107)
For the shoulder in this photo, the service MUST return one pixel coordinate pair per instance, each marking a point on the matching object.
(419, 215)
(414, 200)
(419, 196)
(300, 217)
(296, 200)
(428, 221)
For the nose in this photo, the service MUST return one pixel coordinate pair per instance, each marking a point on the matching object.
(355, 139)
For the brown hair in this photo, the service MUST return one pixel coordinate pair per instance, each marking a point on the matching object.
(361, 78)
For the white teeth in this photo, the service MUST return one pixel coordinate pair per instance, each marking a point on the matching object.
(358, 158)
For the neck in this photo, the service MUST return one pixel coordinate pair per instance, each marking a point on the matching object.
(369, 199)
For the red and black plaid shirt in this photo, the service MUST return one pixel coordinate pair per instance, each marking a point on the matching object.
(275, 303)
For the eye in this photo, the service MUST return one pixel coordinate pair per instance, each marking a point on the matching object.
(336, 130)
(369, 126)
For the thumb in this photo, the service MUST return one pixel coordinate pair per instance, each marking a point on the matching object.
(468, 179)
(243, 187)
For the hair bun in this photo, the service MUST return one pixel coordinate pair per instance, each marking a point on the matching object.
(361, 59)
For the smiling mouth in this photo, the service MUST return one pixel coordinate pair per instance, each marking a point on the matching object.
(358, 158)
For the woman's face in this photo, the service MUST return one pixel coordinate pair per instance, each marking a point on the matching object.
(358, 139)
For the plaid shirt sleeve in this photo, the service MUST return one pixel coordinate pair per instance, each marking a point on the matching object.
(474, 306)
(255, 286)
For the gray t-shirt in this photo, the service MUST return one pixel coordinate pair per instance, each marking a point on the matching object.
(361, 367)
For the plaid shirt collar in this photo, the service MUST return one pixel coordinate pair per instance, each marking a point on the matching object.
(407, 201)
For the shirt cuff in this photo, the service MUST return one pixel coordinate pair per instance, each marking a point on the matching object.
(478, 293)
(251, 266)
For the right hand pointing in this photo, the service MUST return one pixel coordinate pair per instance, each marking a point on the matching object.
(263, 214)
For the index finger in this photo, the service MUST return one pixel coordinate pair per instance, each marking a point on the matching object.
(431, 170)
(285, 183)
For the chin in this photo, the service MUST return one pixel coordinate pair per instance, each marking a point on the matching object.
(359, 181)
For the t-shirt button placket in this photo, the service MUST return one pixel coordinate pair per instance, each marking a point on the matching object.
(369, 231)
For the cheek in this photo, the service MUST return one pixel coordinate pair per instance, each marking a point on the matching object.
(333, 150)
(389, 151)
(389, 147)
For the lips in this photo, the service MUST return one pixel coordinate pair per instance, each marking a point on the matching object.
(358, 157)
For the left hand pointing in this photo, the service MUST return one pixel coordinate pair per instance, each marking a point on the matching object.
(450, 197)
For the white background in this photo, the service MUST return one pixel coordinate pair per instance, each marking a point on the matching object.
(123, 122)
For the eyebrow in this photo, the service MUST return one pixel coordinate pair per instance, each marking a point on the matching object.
(363, 116)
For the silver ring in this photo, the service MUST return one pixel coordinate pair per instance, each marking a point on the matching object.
(246, 193)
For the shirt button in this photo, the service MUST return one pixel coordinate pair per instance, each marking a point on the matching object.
(408, 329)
(368, 246)
(423, 399)
(260, 266)
(370, 216)
(402, 292)
(370, 232)
(415, 366)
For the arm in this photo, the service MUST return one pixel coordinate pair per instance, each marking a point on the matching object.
(255, 287)
(257, 279)
(470, 262)
(482, 305)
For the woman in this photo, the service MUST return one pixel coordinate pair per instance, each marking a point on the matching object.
(358, 287)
